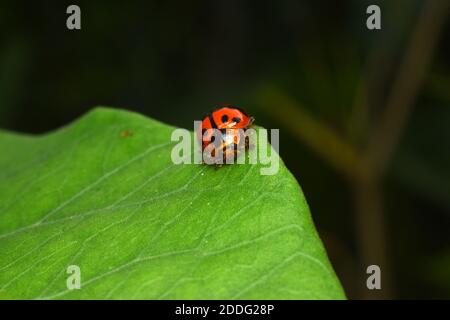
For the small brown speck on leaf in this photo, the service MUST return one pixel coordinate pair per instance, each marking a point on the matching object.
(126, 133)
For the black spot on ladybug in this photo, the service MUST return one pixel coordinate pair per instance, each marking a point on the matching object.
(237, 120)
(213, 138)
(224, 118)
(213, 123)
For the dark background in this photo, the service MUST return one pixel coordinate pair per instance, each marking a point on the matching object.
(364, 115)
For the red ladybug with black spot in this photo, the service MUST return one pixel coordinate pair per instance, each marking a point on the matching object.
(227, 119)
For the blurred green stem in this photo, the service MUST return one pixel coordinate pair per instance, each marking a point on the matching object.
(327, 143)
(365, 168)
(371, 234)
(405, 88)
(370, 216)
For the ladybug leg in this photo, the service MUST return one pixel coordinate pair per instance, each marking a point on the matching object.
(248, 145)
(251, 146)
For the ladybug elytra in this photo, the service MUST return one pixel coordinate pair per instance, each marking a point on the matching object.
(231, 122)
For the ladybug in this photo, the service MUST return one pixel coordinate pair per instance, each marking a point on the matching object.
(228, 119)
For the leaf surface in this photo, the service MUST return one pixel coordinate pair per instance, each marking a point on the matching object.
(103, 194)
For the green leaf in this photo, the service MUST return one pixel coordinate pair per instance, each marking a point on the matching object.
(103, 194)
